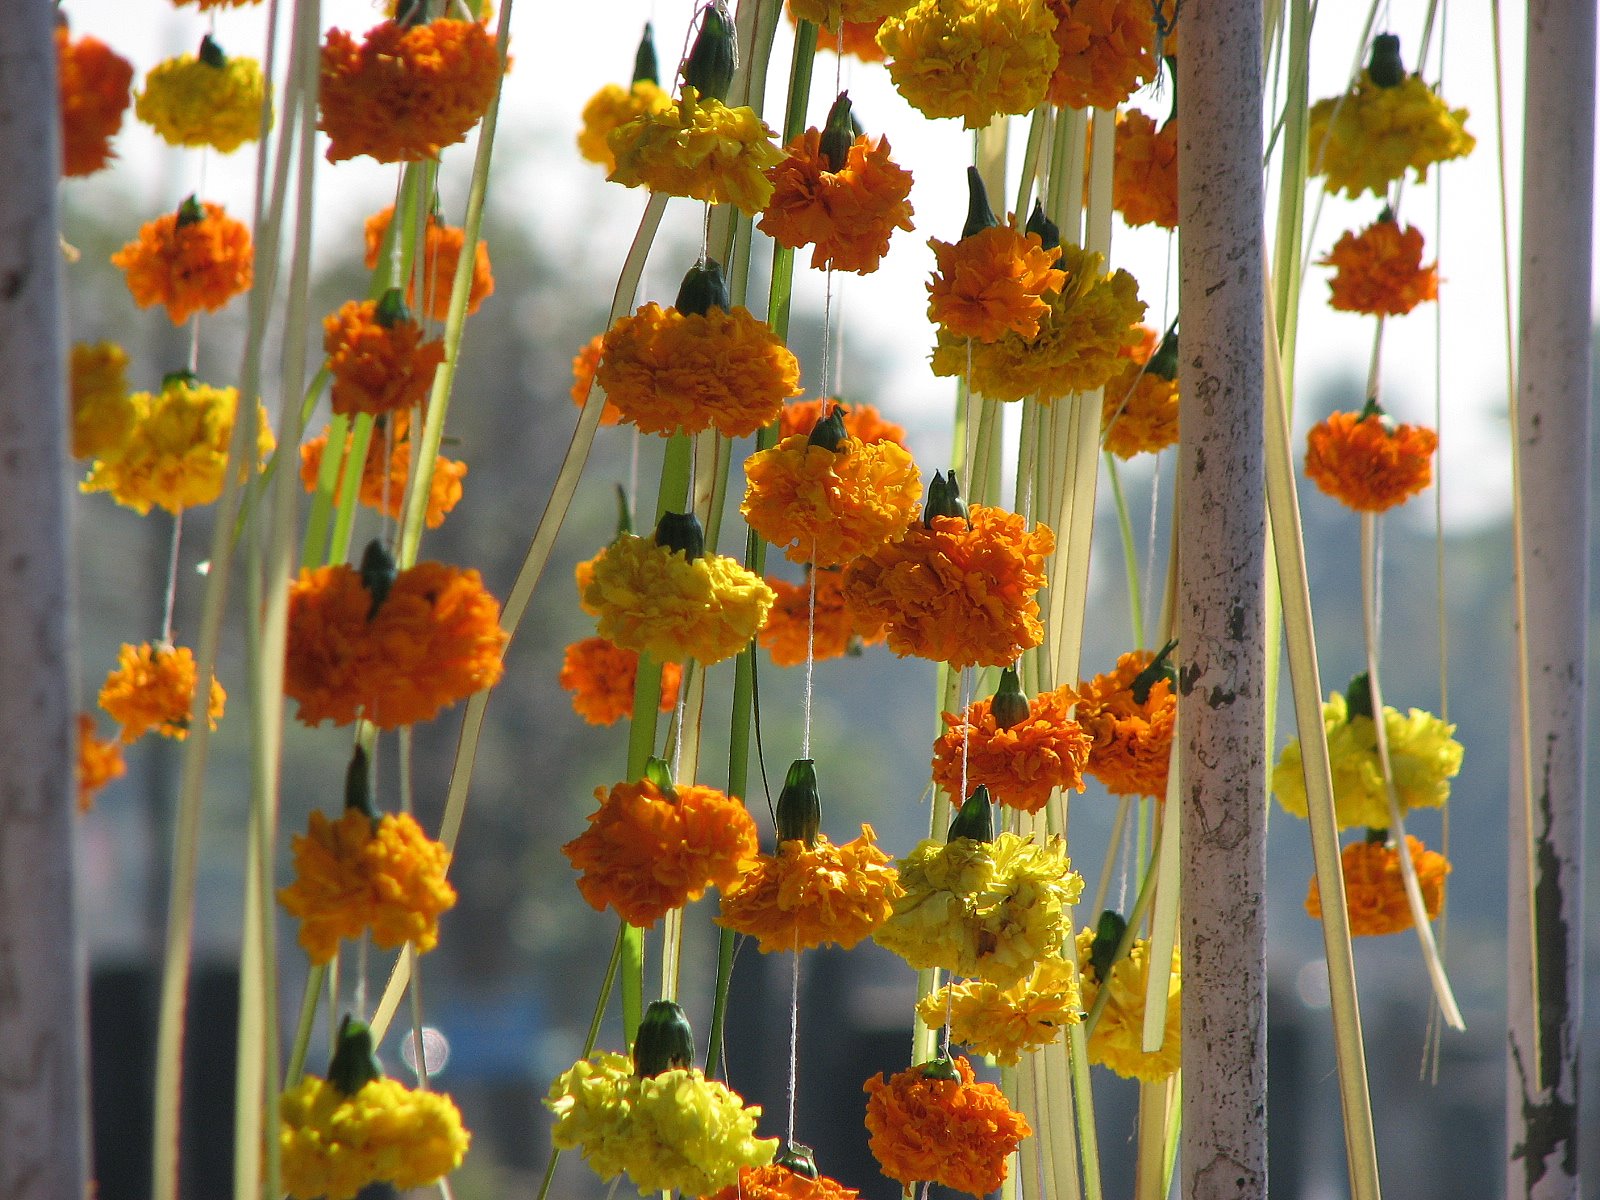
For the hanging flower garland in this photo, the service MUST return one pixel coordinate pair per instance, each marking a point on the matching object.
(441, 252)
(1367, 461)
(1021, 750)
(99, 761)
(1117, 1039)
(204, 99)
(1106, 51)
(1005, 1022)
(193, 260)
(1379, 271)
(861, 421)
(1130, 712)
(377, 356)
(103, 413)
(1374, 892)
(1144, 171)
(1139, 410)
(992, 282)
(152, 687)
(814, 618)
(601, 676)
(93, 85)
(386, 471)
(613, 106)
(973, 59)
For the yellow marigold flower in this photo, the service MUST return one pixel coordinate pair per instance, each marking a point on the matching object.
(177, 454)
(1375, 894)
(379, 361)
(1144, 171)
(676, 1131)
(99, 761)
(103, 414)
(669, 372)
(933, 1122)
(700, 148)
(1078, 346)
(1020, 765)
(1379, 271)
(1422, 752)
(92, 88)
(405, 91)
(1106, 51)
(990, 909)
(601, 676)
(1367, 462)
(385, 488)
(826, 625)
(973, 59)
(861, 421)
(1139, 410)
(612, 107)
(1132, 740)
(824, 895)
(846, 216)
(152, 687)
(1003, 1022)
(1117, 1040)
(1364, 140)
(991, 284)
(189, 261)
(192, 101)
(955, 592)
(776, 1181)
(333, 1145)
(441, 252)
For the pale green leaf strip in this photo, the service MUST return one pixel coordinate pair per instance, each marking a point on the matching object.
(1164, 920)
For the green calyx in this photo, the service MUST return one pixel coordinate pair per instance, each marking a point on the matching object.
(975, 821)
(709, 67)
(665, 1041)
(1372, 410)
(378, 573)
(184, 378)
(190, 212)
(1049, 233)
(659, 773)
(646, 68)
(358, 786)
(391, 309)
(798, 1159)
(838, 135)
(354, 1064)
(940, 1068)
(829, 431)
(1009, 707)
(1160, 668)
(1385, 67)
(979, 215)
(1108, 933)
(1358, 697)
(944, 499)
(1164, 362)
(1376, 836)
(799, 811)
(681, 532)
(704, 287)
(210, 53)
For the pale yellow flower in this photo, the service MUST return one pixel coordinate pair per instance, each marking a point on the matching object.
(1117, 1039)
(1003, 1022)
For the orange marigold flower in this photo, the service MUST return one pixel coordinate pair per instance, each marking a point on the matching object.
(700, 148)
(646, 852)
(193, 260)
(1139, 411)
(931, 1123)
(1144, 171)
(600, 675)
(833, 633)
(956, 592)
(356, 874)
(1106, 51)
(441, 251)
(405, 91)
(584, 365)
(822, 895)
(435, 639)
(1379, 271)
(99, 761)
(775, 1181)
(378, 364)
(992, 283)
(612, 107)
(1132, 741)
(152, 687)
(94, 85)
(1021, 765)
(861, 421)
(857, 38)
(1367, 462)
(1375, 895)
(671, 372)
(847, 215)
(382, 489)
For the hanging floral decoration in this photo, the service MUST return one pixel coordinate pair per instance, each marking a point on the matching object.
(861, 421)
(584, 365)
(614, 106)
(93, 83)
(992, 282)
(1130, 712)
(1106, 51)
(1005, 1022)
(103, 413)
(386, 470)
(441, 252)
(152, 687)
(1368, 462)
(377, 356)
(1021, 763)
(973, 59)
(825, 626)
(99, 761)
(858, 39)
(1139, 410)
(1117, 1039)
(601, 676)
(1375, 894)
(779, 1181)
(204, 99)
(827, 14)
(1144, 171)
(193, 260)
(1379, 271)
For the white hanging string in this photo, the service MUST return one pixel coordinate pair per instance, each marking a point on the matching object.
(811, 652)
(170, 600)
(794, 1030)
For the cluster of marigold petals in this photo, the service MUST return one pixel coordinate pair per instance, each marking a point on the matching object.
(973, 59)
(379, 361)
(405, 91)
(601, 678)
(700, 148)
(776, 1181)
(1144, 171)
(1366, 139)
(99, 761)
(1367, 462)
(584, 365)
(992, 283)
(386, 470)
(1020, 765)
(1132, 738)
(846, 215)
(1139, 410)
(1374, 891)
(613, 107)
(193, 260)
(1117, 1039)
(103, 413)
(1003, 1022)
(152, 687)
(934, 1124)
(441, 253)
(1379, 271)
(812, 618)
(204, 100)
(861, 421)
(93, 84)
(1107, 51)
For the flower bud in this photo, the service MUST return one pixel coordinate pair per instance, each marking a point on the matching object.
(1385, 68)
(829, 431)
(1108, 933)
(354, 1064)
(798, 1159)
(1164, 362)
(659, 773)
(709, 67)
(1049, 232)
(1010, 704)
(979, 215)
(665, 1041)
(1358, 697)
(838, 135)
(975, 820)
(799, 811)
(645, 67)
(944, 499)
(358, 785)
(190, 212)
(681, 532)
(1157, 670)
(703, 288)
(180, 378)
(211, 54)
(378, 573)
(392, 310)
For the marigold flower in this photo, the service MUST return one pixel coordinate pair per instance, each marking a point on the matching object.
(676, 1131)
(859, 39)
(383, 489)
(670, 372)
(830, 632)
(192, 102)
(700, 148)
(1139, 411)
(1117, 1040)
(646, 852)
(990, 909)
(99, 761)
(612, 107)
(435, 639)
(333, 1145)
(193, 260)
(775, 1181)
(1367, 462)
(861, 421)
(405, 91)
(1106, 51)
(584, 365)
(1021, 765)
(1379, 271)
(926, 1125)
(356, 874)
(973, 59)
(1364, 140)
(1132, 741)
(1003, 1022)
(1424, 756)
(378, 365)
(846, 216)
(103, 414)
(992, 283)
(601, 676)
(958, 592)
(441, 252)
(1078, 346)
(93, 83)
(1375, 894)
(1144, 171)
(152, 687)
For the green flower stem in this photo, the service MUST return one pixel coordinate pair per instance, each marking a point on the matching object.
(1130, 552)
(302, 1029)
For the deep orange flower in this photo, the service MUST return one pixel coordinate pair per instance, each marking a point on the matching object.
(1369, 463)
(441, 252)
(670, 372)
(434, 640)
(1132, 741)
(645, 852)
(190, 261)
(99, 761)
(600, 675)
(835, 633)
(953, 1132)
(1139, 410)
(846, 216)
(584, 364)
(1379, 271)
(1021, 765)
(777, 1182)
(1106, 51)
(93, 83)
(405, 91)
(992, 283)
(824, 895)
(1144, 170)
(152, 687)
(1374, 894)
(956, 593)
(356, 874)
(385, 489)
(861, 421)
(377, 366)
